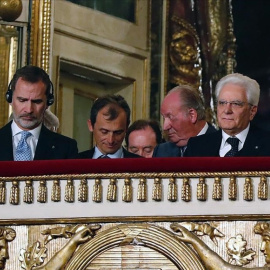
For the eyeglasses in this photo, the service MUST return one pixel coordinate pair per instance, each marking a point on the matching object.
(234, 104)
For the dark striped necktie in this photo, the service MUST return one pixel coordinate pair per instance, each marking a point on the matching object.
(233, 141)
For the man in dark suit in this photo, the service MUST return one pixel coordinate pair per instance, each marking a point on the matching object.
(184, 117)
(30, 92)
(109, 120)
(237, 104)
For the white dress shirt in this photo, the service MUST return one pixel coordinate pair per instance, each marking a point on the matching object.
(118, 154)
(225, 147)
(31, 140)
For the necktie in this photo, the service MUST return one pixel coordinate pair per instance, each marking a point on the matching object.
(103, 156)
(23, 150)
(182, 150)
(233, 141)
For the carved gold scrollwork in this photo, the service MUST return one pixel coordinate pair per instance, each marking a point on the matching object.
(186, 190)
(42, 192)
(83, 191)
(14, 193)
(232, 189)
(70, 191)
(217, 189)
(263, 188)
(2, 192)
(157, 190)
(127, 191)
(172, 190)
(28, 194)
(201, 190)
(248, 189)
(142, 190)
(56, 191)
(112, 190)
(97, 191)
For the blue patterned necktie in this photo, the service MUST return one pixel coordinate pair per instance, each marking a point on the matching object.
(23, 150)
(233, 141)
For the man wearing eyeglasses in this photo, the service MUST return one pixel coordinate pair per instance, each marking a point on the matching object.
(237, 104)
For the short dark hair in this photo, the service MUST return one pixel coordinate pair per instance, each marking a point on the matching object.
(114, 102)
(142, 124)
(32, 74)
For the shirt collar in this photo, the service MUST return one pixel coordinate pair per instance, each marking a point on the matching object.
(16, 130)
(118, 154)
(204, 129)
(241, 136)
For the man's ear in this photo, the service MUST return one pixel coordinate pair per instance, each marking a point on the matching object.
(89, 124)
(193, 115)
(253, 111)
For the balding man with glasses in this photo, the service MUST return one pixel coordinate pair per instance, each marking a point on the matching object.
(237, 103)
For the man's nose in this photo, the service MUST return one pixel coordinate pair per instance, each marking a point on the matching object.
(110, 137)
(28, 107)
(228, 108)
(166, 124)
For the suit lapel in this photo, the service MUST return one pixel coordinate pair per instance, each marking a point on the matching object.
(6, 143)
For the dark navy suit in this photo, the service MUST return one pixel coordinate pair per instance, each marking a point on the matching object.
(50, 145)
(256, 144)
(169, 149)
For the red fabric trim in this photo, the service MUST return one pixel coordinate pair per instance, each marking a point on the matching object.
(83, 166)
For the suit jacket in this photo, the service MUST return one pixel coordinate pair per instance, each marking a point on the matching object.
(89, 154)
(50, 145)
(169, 149)
(256, 144)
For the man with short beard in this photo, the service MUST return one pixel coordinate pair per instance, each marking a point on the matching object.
(30, 93)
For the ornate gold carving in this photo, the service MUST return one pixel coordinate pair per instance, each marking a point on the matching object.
(203, 229)
(70, 191)
(34, 255)
(142, 190)
(184, 54)
(186, 190)
(127, 190)
(41, 33)
(14, 193)
(232, 189)
(83, 191)
(97, 191)
(217, 189)
(172, 190)
(157, 190)
(56, 191)
(42, 192)
(237, 251)
(10, 10)
(248, 189)
(201, 190)
(263, 188)
(6, 235)
(28, 195)
(2, 192)
(112, 190)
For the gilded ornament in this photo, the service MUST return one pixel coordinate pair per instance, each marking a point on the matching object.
(28, 195)
(248, 189)
(142, 190)
(56, 191)
(157, 190)
(127, 191)
(97, 191)
(201, 190)
(10, 10)
(14, 193)
(263, 188)
(186, 190)
(42, 192)
(217, 189)
(70, 191)
(83, 191)
(232, 189)
(2, 192)
(172, 190)
(237, 251)
(112, 190)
